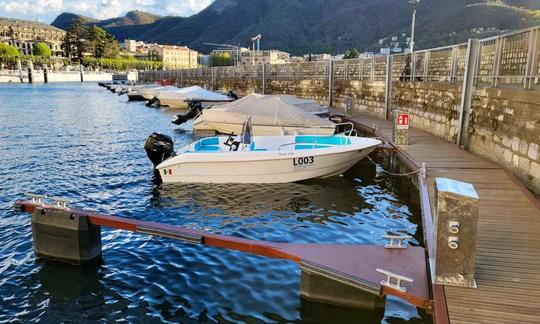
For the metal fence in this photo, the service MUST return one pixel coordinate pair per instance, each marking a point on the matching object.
(508, 59)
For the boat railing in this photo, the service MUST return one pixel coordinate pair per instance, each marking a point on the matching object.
(348, 132)
(286, 144)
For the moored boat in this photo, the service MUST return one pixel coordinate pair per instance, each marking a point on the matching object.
(265, 159)
(178, 98)
(271, 115)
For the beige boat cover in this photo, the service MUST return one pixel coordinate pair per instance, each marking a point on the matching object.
(307, 104)
(265, 110)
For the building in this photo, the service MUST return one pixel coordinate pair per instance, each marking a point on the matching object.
(131, 45)
(317, 57)
(174, 57)
(264, 57)
(24, 34)
(235, 53)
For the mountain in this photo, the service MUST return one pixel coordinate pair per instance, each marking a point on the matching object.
(132, 18)
(302, 26)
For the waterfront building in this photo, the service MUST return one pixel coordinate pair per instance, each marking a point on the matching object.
(132, 46)
(317, 57)
(24, 34)
(174, 57)
(264, 57)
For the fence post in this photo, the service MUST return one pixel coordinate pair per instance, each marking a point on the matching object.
(532, 59)
(373, 69)
(497, 61)
(388, 87)
(473, 49)
(360, 69)
(346, 70)
(264, 78)
(413, 66)
(331, 83)
(454, 64)
(427, 55)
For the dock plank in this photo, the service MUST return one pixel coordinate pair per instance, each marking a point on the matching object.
(508, 261)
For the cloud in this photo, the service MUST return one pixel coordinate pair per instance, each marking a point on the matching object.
(47, 10)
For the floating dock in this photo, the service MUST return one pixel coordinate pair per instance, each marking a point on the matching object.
(347, 275)
(507, 255)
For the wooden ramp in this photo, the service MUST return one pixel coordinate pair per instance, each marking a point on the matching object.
(508, 247)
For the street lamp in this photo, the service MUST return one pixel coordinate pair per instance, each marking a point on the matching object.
(413, 3)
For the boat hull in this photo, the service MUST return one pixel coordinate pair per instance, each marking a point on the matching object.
(266, 168)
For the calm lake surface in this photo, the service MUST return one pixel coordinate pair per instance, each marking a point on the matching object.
(82, 142)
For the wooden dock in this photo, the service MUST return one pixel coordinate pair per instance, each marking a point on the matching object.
(508, 247)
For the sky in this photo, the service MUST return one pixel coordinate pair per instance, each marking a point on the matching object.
(47, 10)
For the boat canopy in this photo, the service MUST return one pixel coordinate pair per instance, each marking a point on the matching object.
(307, 104)
(192, 93)
(264, 110)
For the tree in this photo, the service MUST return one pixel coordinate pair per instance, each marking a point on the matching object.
(220, 59)
(74, 41)
(353, 53)
(41, 49)
(101, 44)
(8, 50)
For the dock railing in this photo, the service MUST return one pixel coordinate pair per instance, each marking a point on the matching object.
(506, 60)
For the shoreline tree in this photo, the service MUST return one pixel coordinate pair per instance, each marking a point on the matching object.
(42, 50)
(352, 53)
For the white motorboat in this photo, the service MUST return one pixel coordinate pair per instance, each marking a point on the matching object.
(271, 115)
(179, 97)
(149, 92)
(265, 159)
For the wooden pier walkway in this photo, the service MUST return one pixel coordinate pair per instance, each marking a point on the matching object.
(508, 247)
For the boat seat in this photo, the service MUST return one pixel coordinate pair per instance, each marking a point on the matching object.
(207, 148)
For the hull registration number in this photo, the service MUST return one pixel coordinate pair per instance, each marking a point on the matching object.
(303, 161)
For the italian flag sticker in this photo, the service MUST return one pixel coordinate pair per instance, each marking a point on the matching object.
(169, 171)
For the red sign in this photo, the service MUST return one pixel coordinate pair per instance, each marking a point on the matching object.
(403, 120)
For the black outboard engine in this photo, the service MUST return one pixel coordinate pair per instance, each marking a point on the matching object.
(232, 95)
(154, 102)
(159, 148)
(194, 108)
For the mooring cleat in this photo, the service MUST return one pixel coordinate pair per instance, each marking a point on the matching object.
(399, 238)
(37, 199)
(61, 203)
(394, 280)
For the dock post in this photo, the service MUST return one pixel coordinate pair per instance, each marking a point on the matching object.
(64, 236)
(456, 220)
(467, 89)
(400, 133)
(82, 73)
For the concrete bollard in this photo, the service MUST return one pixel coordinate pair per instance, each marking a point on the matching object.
(400, 134)
(65, 236)
(455, 229)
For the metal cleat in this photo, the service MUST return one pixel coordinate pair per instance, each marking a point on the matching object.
(61, 203)
(37, 199)
(399, 238)
(394, 280)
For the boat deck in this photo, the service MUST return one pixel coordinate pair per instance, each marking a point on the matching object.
(508, 258)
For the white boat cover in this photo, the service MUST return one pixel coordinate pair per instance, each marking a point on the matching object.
(194, 93)
(265, 110)
(307, 104)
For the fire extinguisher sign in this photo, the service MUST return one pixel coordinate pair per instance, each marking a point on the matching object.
(403, 121)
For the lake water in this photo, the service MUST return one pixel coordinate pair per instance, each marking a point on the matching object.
(82, 142)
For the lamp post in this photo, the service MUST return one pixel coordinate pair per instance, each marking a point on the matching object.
(413, 24)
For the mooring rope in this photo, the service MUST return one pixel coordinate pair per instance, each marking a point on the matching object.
(396, 174)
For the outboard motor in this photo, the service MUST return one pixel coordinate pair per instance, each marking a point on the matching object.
(194, 108)
(154, 102)
(232, 95)
(159, 148)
